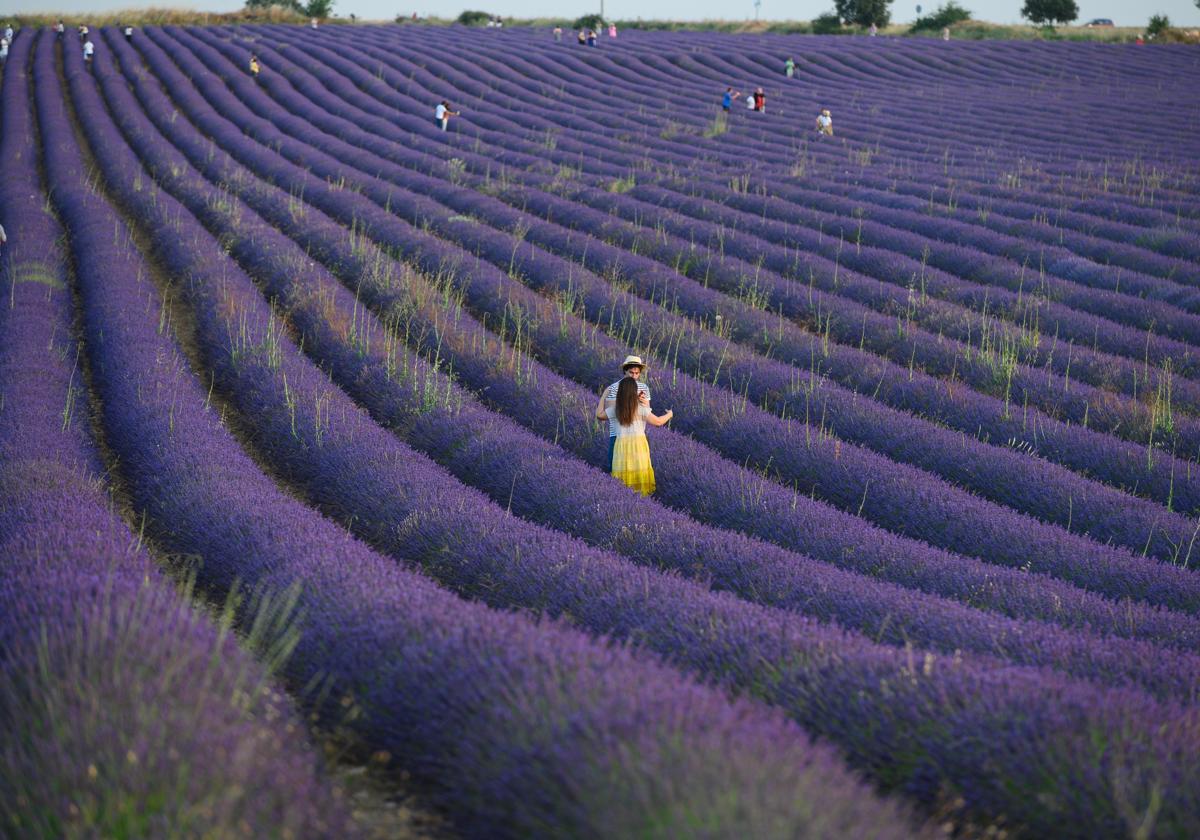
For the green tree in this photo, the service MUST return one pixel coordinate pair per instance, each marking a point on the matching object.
(830, 24)
(946, 15)
(592, 21)
(1050, 12)
(471, 18)
(1159, 24)
(864, 12)
(318, 8)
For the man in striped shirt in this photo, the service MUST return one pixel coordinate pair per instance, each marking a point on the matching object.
(631, 367)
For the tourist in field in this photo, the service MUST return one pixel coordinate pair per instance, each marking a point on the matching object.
(3, 50)
(83, 32)
(88, 49)
(760, 101)
(591, 38)
(789, 67)
(582, 37)
(631, 368)
(631, 451)
(129, 33)
(728, 99)
(945, 33)
(558, 34)
(314, 23)
(612, 30)
(442, 115)
(8, 33)
(255, 67)
(825, 123)
(874, 30)
(59, 29)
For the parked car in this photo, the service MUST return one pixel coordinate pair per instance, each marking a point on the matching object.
(1098, 22)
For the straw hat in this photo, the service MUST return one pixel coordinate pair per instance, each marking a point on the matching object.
(630, 361)
(825, 112)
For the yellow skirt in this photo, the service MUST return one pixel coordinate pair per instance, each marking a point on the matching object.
(631, 463)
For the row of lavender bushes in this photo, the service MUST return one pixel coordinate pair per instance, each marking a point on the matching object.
(126, 711)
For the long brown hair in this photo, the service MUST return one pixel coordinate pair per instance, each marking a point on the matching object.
(627, 400)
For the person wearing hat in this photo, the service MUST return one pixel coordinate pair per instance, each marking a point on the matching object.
(632, 367)
(825, 122)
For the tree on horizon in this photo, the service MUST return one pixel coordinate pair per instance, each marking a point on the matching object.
(865, 12)
(1050, 12)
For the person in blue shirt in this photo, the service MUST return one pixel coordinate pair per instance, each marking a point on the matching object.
(727, 99)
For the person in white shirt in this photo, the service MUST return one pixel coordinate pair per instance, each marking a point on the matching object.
(3, 238)
(88, 49)
(825, 122)
(128, 33)
(8, 34)
(59, 29)
(632, 368)
(442, 115)
(3, 49)
(314, 23)
(630, 451)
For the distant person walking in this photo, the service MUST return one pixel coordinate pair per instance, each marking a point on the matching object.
(728, 99)
(945, 33)
(8, 33)
(631, 451)
(83, 32)
(874, 30)
(314, 23)
(59, 29)
(582, 36)
(255, 67)
(825, 123)
(760, 101)
(612, 30)
(789, 68)
(442, 115)
(558, 34)
(129, 33)
(3, 50)
(591, 38)
(88, 49)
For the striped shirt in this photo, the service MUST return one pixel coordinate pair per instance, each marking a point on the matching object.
(610, 396)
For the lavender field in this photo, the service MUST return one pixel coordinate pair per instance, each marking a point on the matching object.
(297, 434)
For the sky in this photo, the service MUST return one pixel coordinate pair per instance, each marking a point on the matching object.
(1122, 12)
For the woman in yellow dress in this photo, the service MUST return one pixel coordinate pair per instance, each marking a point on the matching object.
(631, 453)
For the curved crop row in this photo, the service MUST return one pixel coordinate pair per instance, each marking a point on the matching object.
(123, 706)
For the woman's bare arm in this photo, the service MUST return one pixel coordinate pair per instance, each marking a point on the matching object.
(661, 419)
